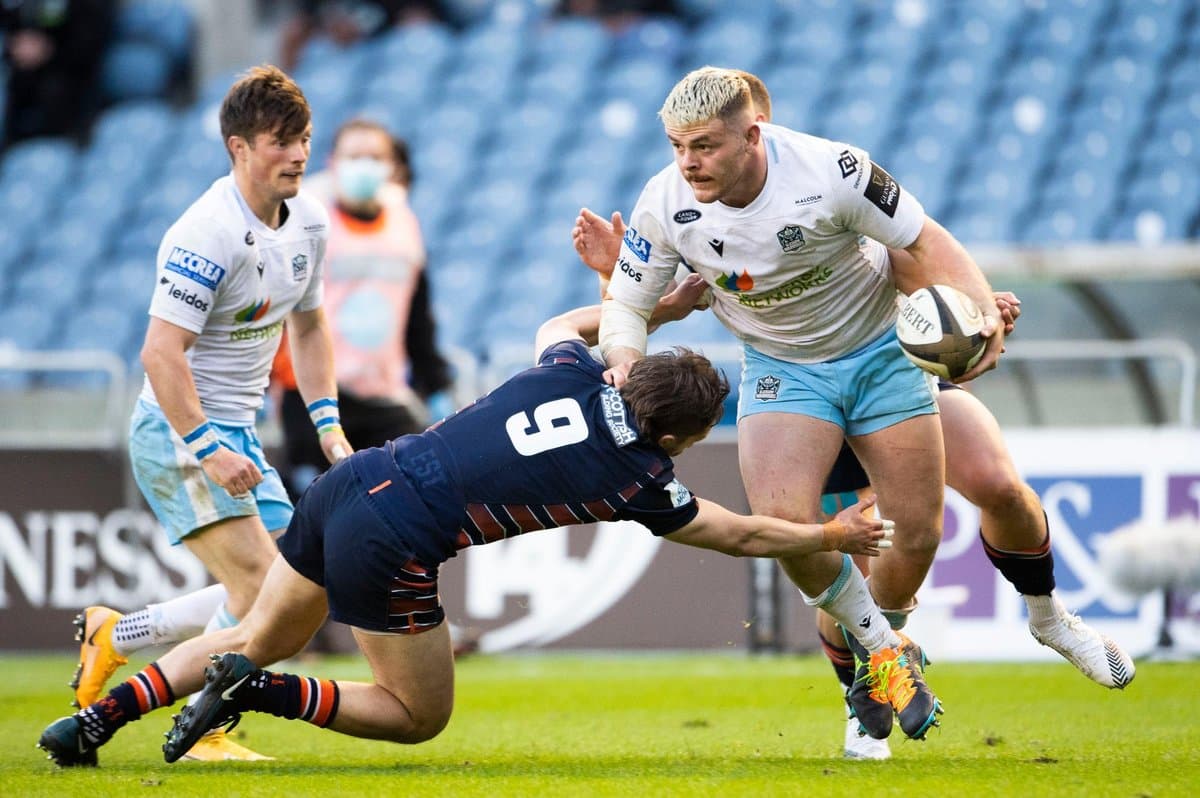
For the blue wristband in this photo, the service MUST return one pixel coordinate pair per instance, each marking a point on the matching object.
(202, 441)
(324, 415)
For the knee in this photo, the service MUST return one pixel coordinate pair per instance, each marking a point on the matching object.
(918, 539)
(420, 727)
(1003, 495)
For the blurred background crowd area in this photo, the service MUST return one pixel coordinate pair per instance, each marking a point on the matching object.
(1059, 139)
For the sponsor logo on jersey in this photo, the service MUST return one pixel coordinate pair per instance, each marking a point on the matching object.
(299, 268)
(194, 267)
(613, 407)
(260, 266)
(767, 388)
(809, 200)
(627, 267)
(718, 246)
(257, 333)
(789, 290)
(791, 238)
(637, 245)
(254, 311)
(847, 163)
(883, 190)
(686, 215)
(249, 238)
(680, 495)
(189, 298)
(313, 228)
(735, 282)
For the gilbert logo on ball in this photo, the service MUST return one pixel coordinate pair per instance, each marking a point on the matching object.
(939, 330)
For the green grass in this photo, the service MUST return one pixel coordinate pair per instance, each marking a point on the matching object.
(662, 725)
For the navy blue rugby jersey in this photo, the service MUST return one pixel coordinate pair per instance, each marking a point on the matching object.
(552, 446)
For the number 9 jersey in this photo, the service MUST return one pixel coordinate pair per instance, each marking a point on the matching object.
(554, 445)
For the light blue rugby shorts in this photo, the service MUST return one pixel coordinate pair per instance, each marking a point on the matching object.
(863, 392)
(178, 491)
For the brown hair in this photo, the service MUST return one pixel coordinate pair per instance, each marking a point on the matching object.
(678, 393)
(758, 93)
(264, 100)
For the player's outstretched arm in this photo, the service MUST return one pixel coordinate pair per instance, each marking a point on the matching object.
(762, 536)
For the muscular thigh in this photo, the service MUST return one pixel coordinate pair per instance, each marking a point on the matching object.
(784, 459)
(906, 465)
(416, 668)
(977, 460)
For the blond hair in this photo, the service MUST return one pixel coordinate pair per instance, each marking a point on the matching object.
(758, 93)
(705, 94)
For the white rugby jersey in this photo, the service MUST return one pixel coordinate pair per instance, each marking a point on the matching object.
(801, 273)
(226, 276)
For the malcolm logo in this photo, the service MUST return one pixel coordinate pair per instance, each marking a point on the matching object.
(253, 312)
(791, 238)
(299, 267)
(735, 282)
(767, 388)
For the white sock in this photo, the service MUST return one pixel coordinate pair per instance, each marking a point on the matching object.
(849, 601)
(1044, 610)
(169, 622)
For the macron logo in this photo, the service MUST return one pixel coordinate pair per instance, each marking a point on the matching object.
(194, 267)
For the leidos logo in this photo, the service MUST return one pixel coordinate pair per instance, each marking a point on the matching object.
(628, 269)
(253, 312)
(190, 298)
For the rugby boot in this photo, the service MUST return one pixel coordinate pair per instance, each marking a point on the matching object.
(98, 660)
(215, 706)
(64, 742)
(217, 746)
(860, 746)
(916, 706)
(1098, 657)
(867, 696)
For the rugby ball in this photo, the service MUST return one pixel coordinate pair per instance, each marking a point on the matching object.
(939, 330)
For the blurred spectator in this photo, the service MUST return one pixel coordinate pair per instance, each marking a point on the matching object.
(376, 300)
(53, 50)
(616, 14)
(348, 21)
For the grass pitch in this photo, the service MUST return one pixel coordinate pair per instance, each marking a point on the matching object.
(648, 725)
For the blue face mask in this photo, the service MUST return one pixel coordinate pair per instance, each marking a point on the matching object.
(359, 179)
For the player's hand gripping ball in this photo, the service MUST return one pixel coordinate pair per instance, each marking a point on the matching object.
(939, 330)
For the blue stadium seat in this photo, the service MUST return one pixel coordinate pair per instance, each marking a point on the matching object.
(979, 221)
(426, 44)
(1044, 76)
(166, 23)
(558, 87)
(1069, 223)
(1057, 29)
(580, 40)
(26, 326)
(1121, 75)
(76, 240)
(732, 41)
(48, 161)
(96, 328)
(135, 70)
(50, 284)
(956, 78)
(662, 38)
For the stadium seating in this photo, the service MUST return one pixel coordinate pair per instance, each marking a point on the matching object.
(1013, 122)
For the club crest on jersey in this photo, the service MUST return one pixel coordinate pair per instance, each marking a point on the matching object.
(614, 416)
(194, 267)
(767, 388)
(791, 238)
(735, 282)
(299, 267)
(637, 245)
